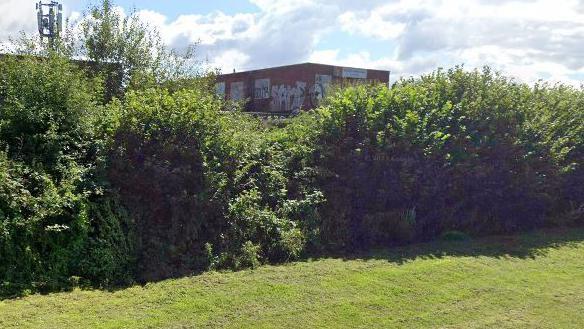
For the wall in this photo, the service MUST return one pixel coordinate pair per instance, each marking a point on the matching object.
(288, 89)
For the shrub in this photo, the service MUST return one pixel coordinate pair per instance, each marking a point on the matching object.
(451, 144)
(44, 130)
(166, 162)
(556, 128)
(52, 147)
(108, 256)
(165, 183)
(200, 185)
(42, 228)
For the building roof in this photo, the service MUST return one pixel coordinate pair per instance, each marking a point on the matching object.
(298, 65)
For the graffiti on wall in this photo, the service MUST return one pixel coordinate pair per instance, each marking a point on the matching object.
(288, 98)
(220, 89)
(237, 91)
(262, 89)
(319, 90)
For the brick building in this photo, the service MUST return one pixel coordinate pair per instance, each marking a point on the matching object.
(288, 89)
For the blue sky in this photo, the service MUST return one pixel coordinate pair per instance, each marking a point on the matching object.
(526, 39)
(173, 9)
(351, 43)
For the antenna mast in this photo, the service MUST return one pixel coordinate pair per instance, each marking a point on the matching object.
(50, 21)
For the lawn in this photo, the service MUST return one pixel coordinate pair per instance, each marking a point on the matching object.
(535, 280)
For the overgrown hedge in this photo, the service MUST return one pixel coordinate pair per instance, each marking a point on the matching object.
(47, 152)
(163, 183)
(452, 150)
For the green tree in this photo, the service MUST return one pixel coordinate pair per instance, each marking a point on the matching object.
(130, 52)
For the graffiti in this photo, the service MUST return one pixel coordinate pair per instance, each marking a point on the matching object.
(237, 92)
(262, 89)
(318, 91)
(288, 98)
(220, 89)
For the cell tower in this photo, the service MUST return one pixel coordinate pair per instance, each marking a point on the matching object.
(50, 20)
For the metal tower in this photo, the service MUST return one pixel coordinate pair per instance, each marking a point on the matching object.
(50, 21)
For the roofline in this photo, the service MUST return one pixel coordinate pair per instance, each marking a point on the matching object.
(299, 64)
(348, 67)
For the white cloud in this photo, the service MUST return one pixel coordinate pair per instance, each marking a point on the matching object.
(230, 59)
(17, 15)
(364, 59)
(530, 39)
(372, 25)
(20, 16)
(282, 32)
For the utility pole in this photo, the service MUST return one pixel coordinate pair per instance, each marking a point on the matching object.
(50, 21)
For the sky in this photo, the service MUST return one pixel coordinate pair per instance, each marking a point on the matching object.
(525, 39)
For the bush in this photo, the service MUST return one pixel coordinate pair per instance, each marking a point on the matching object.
(42, 227)
(44, 134)
(556, 128)
(166, 164)
(52, 148)
(453, 145)
(108, 257)
(454, 236)
(201, 186)
(165, 183)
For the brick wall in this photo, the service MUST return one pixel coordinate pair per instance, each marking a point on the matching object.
(291, 88)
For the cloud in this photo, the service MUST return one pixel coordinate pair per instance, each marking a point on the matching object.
(373, 25)
(531, 28)
(365, 59)
(17, 15)
(282, 32)
(529, 39)
(20, 16)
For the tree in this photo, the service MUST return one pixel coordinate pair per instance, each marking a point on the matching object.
(130, 52)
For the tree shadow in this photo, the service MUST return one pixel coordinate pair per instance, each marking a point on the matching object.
(528, 245)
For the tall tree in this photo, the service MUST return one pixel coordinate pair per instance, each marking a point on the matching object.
(132, 53)
(122, 46)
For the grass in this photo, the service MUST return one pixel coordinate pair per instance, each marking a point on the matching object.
(534, 280)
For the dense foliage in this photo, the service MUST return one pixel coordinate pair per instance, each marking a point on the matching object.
(163, 183)
(48, 156)
(205, 189)
(128, 53)
(449, 151)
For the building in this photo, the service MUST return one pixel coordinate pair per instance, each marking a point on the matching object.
(289, 89)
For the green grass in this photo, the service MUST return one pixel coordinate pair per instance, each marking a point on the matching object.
(534, 280)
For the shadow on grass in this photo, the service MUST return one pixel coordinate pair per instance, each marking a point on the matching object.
(521, 245)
